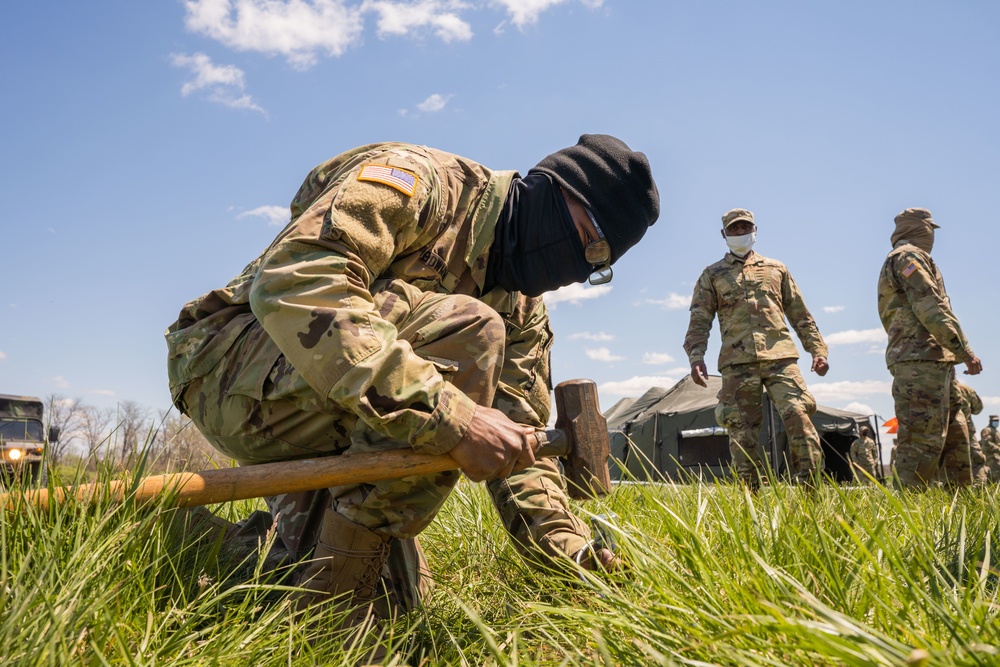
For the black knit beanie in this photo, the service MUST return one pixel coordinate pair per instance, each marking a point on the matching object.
(613, 181)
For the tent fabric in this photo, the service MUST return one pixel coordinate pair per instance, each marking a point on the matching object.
(647, 441)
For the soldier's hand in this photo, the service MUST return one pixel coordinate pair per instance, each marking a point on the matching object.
(973, 366)
(699, 373)
(494, 446)
(820, 366)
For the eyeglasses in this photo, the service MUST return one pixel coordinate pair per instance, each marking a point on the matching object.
(598, 255)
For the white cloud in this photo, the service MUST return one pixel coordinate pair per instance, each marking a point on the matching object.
(635, 386)
(599, 337)
(847, 391)
(852, 336)
(396, 18)
(61, 382)
(295, 29)
(2, 355)
(863, 408)
(833, 309)
(103, 392)
(434, 103)
(575, 294)
(672, 301)
(223, 83)
(656, 358)
(991, 400)
(602, 354)
(275, 216)
(526, 12)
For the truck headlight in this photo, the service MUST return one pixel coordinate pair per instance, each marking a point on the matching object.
(14, 454)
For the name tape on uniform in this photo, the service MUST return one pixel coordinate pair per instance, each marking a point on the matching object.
(399, 179)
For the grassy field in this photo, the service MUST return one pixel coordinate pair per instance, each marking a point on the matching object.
(839, 576)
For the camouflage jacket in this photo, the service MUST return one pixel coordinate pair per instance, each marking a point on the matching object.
(380, 211)
(971, 405)
(864, 453)
(915, 310)
(990, 439)
(752, 296)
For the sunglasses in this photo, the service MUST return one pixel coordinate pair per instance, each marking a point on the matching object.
(598, 255)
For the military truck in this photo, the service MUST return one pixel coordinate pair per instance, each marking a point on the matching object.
(23, 438)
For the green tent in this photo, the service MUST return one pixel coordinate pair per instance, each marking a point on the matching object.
(671, 434)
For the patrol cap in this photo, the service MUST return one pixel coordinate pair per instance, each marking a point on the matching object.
(735, 215)
(916, 215)
(994, 417)
(611, 180)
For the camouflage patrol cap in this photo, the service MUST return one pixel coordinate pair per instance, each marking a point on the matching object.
(611, 180)
(916, 215)
(994, 418)
(737, 214)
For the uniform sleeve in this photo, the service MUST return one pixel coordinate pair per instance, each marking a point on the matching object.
(975, 403)
(533, 503)
(704, 305)
(929, 302)
(312, 296)
(800, 318)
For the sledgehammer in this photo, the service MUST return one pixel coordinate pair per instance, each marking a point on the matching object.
(580, 439)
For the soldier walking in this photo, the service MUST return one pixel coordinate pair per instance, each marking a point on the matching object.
(925, 343)
(752, 295)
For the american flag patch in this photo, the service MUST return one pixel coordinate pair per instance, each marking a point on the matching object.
(909, 270)
(400, 179)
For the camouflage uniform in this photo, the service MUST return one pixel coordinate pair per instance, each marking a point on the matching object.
(966, 402)
(925, 342)
(864, 456)
(363, 327)
(990, 440)
(752, 296)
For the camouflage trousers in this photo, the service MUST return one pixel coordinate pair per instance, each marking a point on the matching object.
(740, 409)
(278, 416)
(933, 434)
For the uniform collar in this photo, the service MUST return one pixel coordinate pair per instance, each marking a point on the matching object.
(751, 258)
(484, 223)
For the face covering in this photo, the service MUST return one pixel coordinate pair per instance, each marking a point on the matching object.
(741, 245)
(536, 247)
(917, 232)
(994, 423)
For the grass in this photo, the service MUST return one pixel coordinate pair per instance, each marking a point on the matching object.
(837, 576)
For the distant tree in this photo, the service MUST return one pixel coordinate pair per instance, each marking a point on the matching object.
(134, 431)
(95, 429)
(64, 414)
(181, 446)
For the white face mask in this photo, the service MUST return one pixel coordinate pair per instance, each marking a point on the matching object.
(741, 245)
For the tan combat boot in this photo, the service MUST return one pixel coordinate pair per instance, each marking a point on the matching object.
(346, 565)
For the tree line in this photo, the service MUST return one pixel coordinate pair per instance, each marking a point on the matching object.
(118, 436)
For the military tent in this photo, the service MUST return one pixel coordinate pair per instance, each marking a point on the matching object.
(672, 434)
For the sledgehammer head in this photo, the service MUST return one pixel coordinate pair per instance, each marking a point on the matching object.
(578, 415)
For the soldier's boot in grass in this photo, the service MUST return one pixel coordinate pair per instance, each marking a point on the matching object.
(346, 566)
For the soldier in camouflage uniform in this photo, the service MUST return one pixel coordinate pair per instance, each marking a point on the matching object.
(752, 295)
(864, 456)
(925, 343)
(990, 441)
(400, 308)
(965, 399)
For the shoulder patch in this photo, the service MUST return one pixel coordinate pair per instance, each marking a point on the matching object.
(909, 269)
(399, 179)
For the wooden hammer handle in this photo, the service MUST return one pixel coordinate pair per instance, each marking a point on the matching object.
(267, 479)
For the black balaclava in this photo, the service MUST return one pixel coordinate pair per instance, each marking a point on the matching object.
(536, 247)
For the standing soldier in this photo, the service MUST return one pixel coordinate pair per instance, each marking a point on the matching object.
(864, 455)
(965, 399)
(925, 343)
(752, 296)
(990, 440)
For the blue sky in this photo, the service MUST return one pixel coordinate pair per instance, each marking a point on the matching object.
(150, 151)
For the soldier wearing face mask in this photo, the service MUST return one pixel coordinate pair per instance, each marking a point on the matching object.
(400, 308)
(925, 343)
(990, 441)
(752, 296)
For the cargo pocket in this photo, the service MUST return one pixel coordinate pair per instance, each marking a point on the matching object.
(248, 365)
